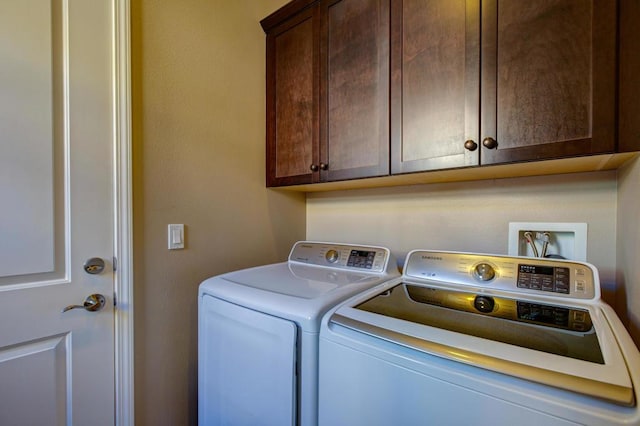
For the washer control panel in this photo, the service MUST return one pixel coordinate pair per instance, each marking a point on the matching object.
(549, 277)
(545, 278)
(343, 256)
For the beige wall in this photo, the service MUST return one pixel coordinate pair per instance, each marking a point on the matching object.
(475, 216)
(472, 216)
(629, 246)
(198, 120)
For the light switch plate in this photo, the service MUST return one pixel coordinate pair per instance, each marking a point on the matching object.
(176, 236)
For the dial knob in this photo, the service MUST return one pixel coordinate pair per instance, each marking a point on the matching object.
(484, 272)
(484, 304)
(332, 256)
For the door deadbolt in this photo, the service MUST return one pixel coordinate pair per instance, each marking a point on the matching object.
(94, 266)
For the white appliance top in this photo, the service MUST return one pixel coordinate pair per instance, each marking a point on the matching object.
(316, 277)
(538, 319)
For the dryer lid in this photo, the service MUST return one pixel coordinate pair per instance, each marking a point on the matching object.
(299, 293)
(301, 281)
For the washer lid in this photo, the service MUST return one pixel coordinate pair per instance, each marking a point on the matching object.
(588, 362)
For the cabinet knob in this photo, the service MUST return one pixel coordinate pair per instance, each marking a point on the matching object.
(490, 143)
(324, 166)
(314, 167)
(470, 145)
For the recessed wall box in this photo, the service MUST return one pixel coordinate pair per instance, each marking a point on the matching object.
(568, 240)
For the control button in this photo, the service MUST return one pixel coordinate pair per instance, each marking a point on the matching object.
(580, 272)
(524, 280)
(561, 317)
(561, 314)
(579, 316)
(579, 326)
(484, 304)
(562, 286)
(524, 310)
(580, 286)
(535, 312)
(536, 282)
(484, 272)
(547, 284)
(332, 256)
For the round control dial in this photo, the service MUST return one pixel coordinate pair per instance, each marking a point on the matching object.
(332, 256)
(484, 272)
(484, 304)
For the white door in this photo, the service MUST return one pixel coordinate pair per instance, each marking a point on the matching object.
(56, 211)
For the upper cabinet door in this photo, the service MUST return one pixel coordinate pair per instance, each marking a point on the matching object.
(435, 84)
(354, 89)
(292, 100)
(548, 79)
(629, 83)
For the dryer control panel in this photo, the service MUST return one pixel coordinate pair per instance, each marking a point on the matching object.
(343, 256)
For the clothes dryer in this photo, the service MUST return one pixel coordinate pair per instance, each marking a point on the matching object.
(258, 331)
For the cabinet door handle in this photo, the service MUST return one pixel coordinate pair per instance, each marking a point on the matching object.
(314, 167)
(490, 143)
(324, 166)
(470, 145)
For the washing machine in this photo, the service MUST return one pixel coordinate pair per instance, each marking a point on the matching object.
(258, 331)
(464, 338)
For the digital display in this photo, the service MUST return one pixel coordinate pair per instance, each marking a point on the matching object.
(544, 278)
(533, 269)
(361, 259)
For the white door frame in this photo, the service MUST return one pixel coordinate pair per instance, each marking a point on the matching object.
(123, 219)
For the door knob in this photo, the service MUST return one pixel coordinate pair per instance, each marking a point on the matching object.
(92, 303)
(324, 166)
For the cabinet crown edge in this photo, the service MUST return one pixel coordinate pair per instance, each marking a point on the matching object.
(284, 12)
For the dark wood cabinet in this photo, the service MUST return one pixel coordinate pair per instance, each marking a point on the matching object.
(548, 79)
(354, 95)
(537, 82)
(328, 92)
(629, 77)
(435, 61)
(369, 88)
(292, 97)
